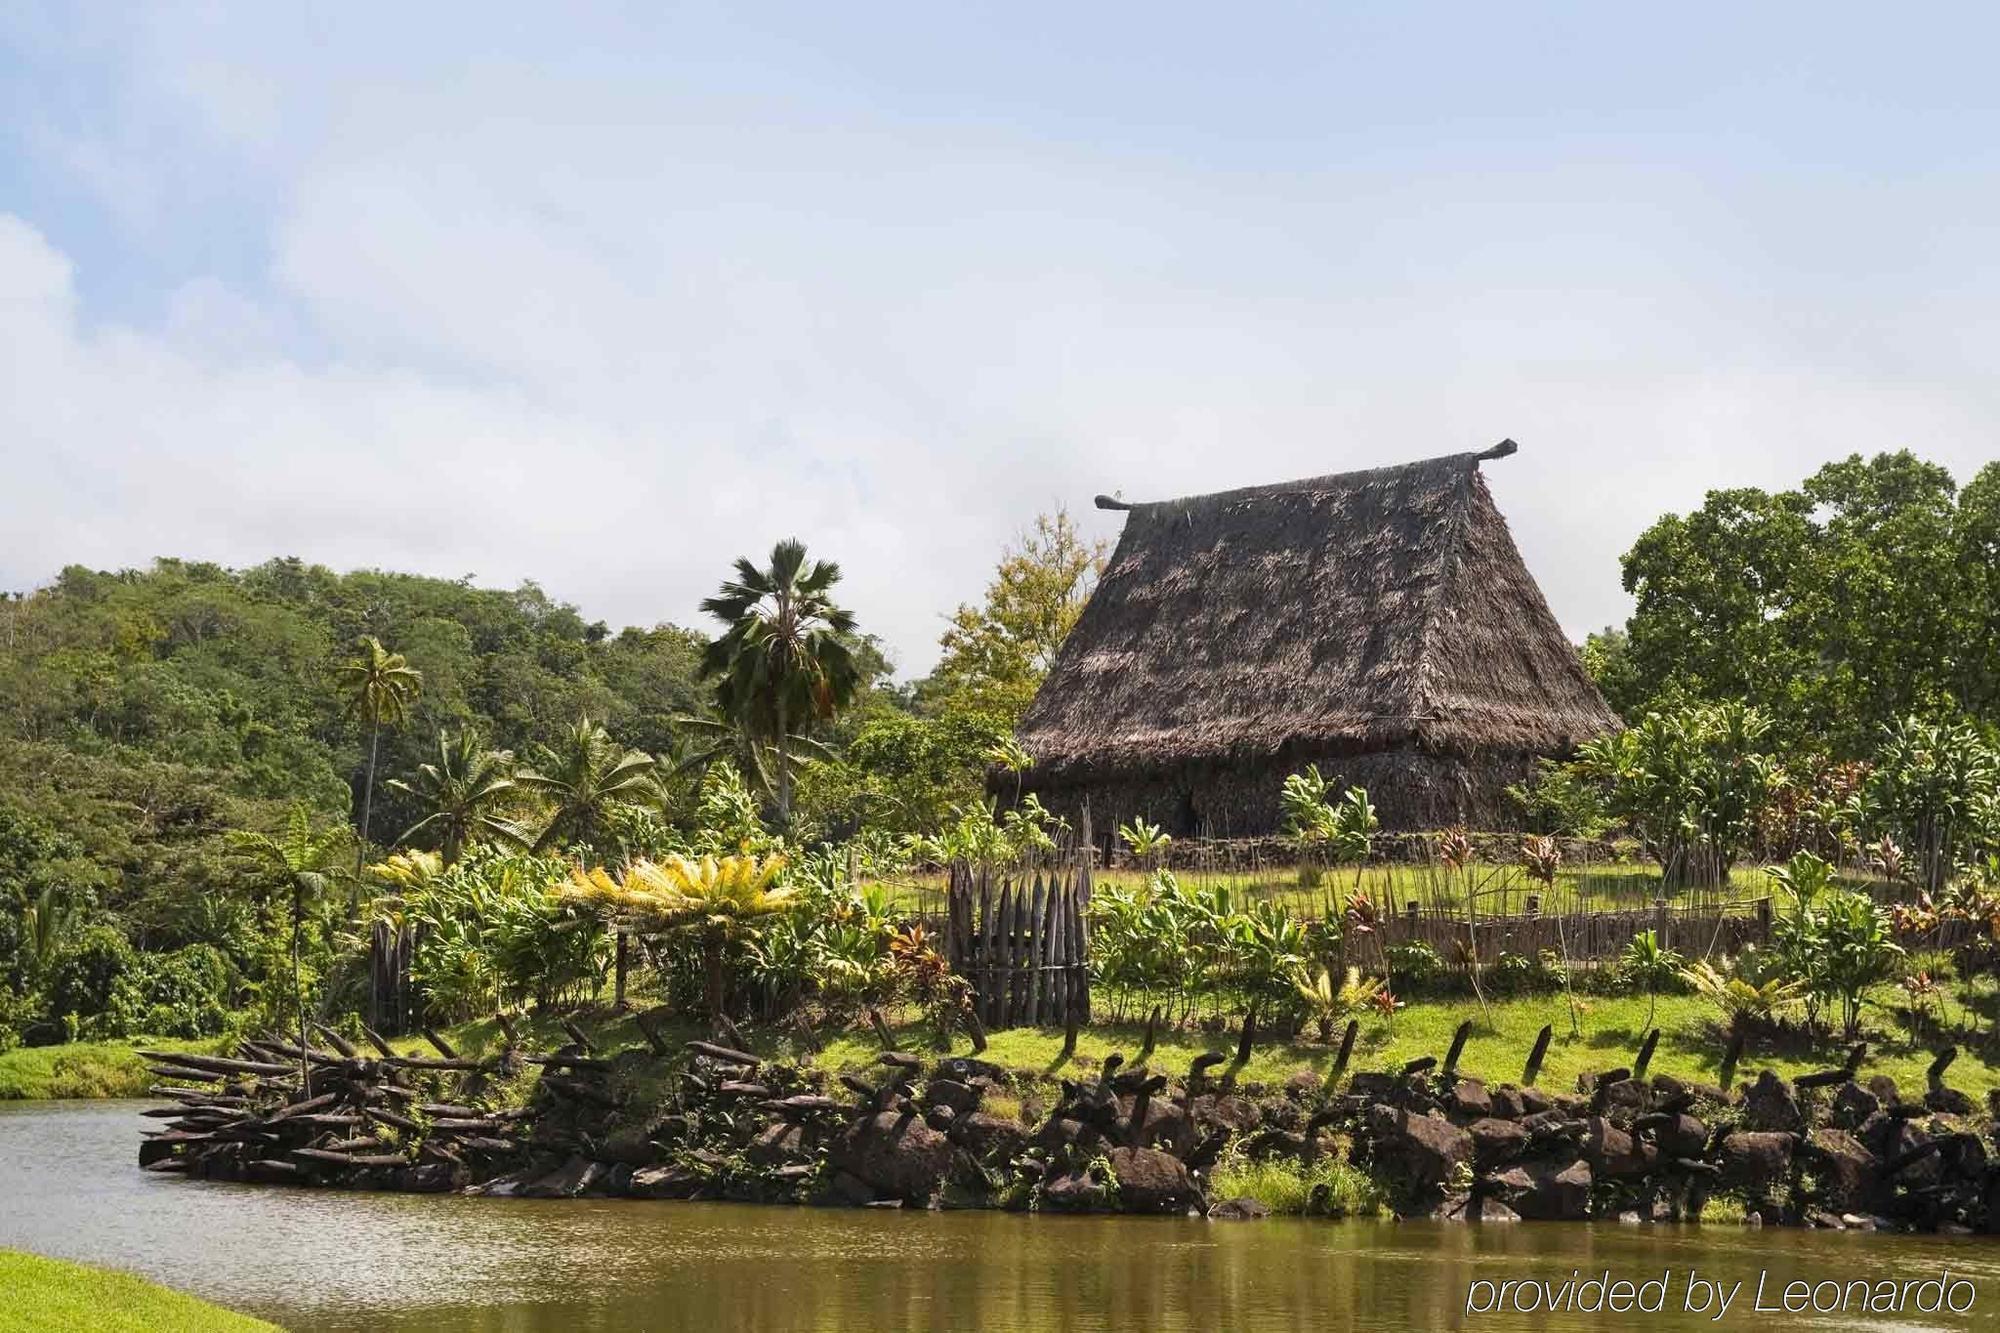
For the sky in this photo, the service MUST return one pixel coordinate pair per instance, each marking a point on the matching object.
(608, 296)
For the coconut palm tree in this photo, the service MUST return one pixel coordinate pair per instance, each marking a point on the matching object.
(380, 687)
(786, 657)
(585, 775)
(465, 794)
(303, 860)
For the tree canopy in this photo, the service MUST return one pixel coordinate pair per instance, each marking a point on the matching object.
(1870, 592)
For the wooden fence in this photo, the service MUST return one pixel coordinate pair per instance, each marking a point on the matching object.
(1023, 945)
(391, 999)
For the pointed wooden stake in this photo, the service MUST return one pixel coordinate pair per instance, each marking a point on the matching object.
(1458, 1040)
(1645, 1057)
(1536, 1056)
(1727, 1074)
(1346, 1052)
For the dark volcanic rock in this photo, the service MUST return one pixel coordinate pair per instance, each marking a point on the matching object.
(1495, 1142)
(990, 1136)
(897, 1155)
(962, 1098)
(1547, 1191)
(1508, 1103)
(1239, 1113)
(965, 1069)
(1429, 1149)
(1074, 1192)
(1151, 1181)
(1612, 1151)
(1948, 1101)
(1238, 1210)
(566, 1181)
(663, 1182)
(1757, 1157)
(1852, 1105)
(1770, 1104)
(1847, 1170)
(1469, 1098)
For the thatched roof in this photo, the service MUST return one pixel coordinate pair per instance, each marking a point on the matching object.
(1357, 611)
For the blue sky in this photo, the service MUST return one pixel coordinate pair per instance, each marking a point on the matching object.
(606, 296)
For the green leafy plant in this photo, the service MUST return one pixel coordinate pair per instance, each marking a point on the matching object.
(1648, 965)
(1148, 843)
(1690, 782)
(1743, 1002)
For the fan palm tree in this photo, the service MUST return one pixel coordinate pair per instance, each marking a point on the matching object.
(465, 793)
(585, 775)
(785, 658)
(380, 687)
(303, 860)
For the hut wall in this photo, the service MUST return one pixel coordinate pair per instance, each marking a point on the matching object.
(1412, 790)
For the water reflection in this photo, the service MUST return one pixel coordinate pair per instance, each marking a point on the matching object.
(327, 1260)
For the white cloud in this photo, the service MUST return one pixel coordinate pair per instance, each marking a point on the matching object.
(611, 332)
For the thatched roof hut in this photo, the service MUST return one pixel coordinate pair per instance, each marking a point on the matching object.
(1379, 623)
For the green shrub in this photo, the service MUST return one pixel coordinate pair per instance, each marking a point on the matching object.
(1518, 974)
(186, 992)
(95, 978)
(1416, 969)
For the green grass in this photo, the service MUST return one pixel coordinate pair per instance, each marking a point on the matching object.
(51, 1296)
(1608, 1035)
(83, 1069)
(1285, 1186)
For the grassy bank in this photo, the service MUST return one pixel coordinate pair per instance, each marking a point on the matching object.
(51, 1296)
(1608, 1033)
(82, 1069)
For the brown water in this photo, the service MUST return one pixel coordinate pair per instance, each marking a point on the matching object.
(324, 1260)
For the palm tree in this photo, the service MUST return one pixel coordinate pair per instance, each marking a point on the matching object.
(464, 793)
(303, 860)
(786, 658)
(380, 687)
(585, 775)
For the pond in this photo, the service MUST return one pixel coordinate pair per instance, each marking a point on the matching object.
(312, 1259)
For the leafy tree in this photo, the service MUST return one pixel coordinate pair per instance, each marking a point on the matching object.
(1933, 788)
(996, 654)
(301, 859)
(465, 795)
(1690, 783)
(1864, 595)
(584, 776)
(380, 687)
(786, 655)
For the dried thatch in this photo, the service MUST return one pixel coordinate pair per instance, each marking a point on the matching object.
(1382, 616)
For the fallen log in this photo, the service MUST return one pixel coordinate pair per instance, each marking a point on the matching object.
(220, 1064)
(342, 1159)
(722, 1054)
(185, 1074)
(393, 1119)
(426, 1062)
(443, 1047)
(306, 1107)
(378, 1041)
(338, 1042)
